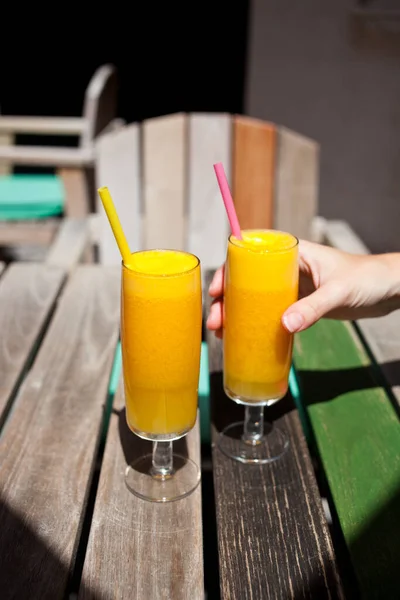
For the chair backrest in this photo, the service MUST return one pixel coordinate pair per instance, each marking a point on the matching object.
(99, 112)
(100, 103)
(160, 174)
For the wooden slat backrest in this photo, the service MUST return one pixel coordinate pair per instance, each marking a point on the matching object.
(119, 168)
(207, 229)
(49, 442)
(254, 153)
(164, 181)
(139, 549)
(273, 173)
(296, 183)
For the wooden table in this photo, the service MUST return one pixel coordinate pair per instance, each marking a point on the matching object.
(68, 524)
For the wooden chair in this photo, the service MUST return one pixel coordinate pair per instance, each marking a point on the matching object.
(160, 174)
(73, 165)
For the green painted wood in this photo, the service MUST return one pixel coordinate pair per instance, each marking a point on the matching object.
(357, 434)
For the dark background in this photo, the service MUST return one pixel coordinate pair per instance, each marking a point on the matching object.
(170, 56)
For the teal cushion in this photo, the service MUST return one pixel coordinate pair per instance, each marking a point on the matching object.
(30, 197)
(204, 388)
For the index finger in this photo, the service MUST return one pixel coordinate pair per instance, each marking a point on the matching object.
(216, 288)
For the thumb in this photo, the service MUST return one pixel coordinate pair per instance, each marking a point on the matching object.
(309, 310)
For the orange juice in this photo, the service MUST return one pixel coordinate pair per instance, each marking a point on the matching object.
(261, 282)
(161, 317)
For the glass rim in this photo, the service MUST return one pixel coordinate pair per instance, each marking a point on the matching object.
(266, 252)
(161, 275)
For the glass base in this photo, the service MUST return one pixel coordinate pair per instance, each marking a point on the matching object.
(183, 481)
(271, 447)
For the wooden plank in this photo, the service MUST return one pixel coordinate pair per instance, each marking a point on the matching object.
(159, 546)
(39, 233)
(70, 244)
(272, 534)
(6, 139)
(164, 187)
(77, 191)
(357, 434)
(100, 105)
(253, 172)
(27, 295)
(296, 190)
(118, 168)
(209, 143)
(381, 334)
(47, 156)
(49, 443)
(42, 125)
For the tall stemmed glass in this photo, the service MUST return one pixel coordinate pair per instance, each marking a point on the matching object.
(161, 314)
(261, 282)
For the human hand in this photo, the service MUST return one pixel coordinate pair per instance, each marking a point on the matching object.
(333, 284)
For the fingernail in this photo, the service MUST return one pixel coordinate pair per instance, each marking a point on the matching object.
(293, 322)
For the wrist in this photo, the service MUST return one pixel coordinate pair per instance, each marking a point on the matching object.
(391, 265)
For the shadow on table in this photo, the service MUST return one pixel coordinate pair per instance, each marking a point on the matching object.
(376, 548)
(29, 568)
(134, 447)
(376, 551)
(224, 411)
(323, 386)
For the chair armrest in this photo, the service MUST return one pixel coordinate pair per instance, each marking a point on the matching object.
(47, 156)
(43, 125)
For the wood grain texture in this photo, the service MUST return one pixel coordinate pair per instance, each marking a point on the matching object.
(381, 334)
(140, 549)
(165, 182)
(272, 534)
(27, 295)
(296, 190)
(209, 143)
(48, 446)
(254, 152)
(118, 168)
(70, 244)
(357, 434)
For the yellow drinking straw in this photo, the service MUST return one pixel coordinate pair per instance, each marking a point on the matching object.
(115, 223)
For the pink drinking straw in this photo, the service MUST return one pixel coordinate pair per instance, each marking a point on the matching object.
(228, 201)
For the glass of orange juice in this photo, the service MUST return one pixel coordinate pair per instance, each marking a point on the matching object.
(261, 282)
(161, 315)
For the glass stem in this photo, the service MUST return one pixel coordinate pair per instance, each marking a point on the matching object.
(253, 425)
(162, 460)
